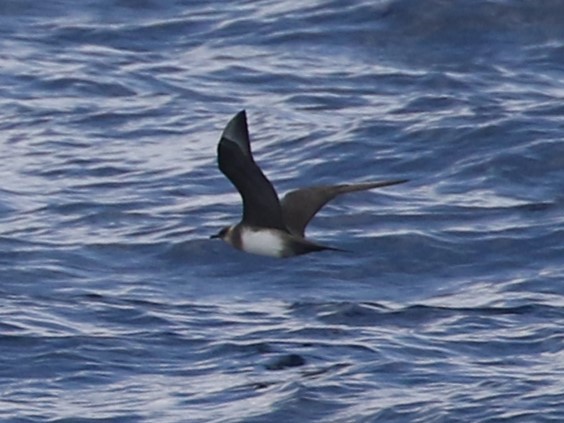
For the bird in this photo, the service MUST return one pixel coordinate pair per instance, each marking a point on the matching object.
(269, 226)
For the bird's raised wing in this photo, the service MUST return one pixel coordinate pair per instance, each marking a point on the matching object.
(299, 206)
(261, 206)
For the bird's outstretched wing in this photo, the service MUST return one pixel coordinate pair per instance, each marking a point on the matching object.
(299, 206)
(261, 206)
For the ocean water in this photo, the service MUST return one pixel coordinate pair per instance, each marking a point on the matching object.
(115, 306)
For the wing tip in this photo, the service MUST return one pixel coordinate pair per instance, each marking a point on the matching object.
(236, 127)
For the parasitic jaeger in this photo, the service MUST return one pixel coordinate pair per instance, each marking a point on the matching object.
(269, 226)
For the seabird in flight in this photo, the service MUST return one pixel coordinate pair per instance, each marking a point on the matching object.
(269, 226)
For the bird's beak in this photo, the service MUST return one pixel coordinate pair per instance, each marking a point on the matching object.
(214, 236)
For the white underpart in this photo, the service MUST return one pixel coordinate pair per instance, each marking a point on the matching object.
(265, 242)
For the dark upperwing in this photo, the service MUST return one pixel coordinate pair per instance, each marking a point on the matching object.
(299, 206)
(261, 206)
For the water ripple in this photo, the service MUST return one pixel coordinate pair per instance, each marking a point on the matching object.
(116, 306)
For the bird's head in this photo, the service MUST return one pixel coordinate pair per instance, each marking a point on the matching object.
(223, 234)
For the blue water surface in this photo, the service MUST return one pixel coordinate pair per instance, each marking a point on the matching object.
(115, 306)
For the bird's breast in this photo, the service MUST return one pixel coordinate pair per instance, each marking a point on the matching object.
(266, 242)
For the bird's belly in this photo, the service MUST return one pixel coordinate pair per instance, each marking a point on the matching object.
(265, 242)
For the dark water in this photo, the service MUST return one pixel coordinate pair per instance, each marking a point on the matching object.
(115, 305)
